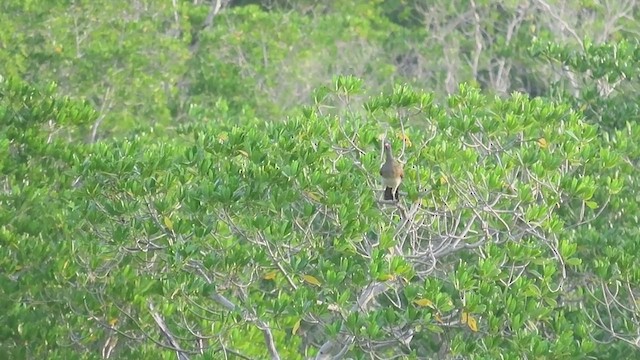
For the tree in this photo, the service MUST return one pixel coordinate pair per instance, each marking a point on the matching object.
(232, 240)
(214, 195)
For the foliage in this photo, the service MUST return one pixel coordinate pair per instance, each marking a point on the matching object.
(181, 179)
(228, 233)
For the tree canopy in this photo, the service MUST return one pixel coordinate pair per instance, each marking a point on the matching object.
(200, 180)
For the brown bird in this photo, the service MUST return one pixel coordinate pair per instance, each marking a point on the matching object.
(392, 173)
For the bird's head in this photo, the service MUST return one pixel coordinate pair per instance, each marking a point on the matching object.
(387, 151)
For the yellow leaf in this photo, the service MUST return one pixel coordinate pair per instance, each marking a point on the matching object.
(243, 153)
(423, 302)
(113, 321)
(443, 180)
(296, 326)
(270, 275)
(386, 277)
(473, 324)
(584, 107)
(470, 321)
(313, 195)
(438, 318)
(543, 143)
(405, 138)
(168, 223)
(311, 280)
(223, 137)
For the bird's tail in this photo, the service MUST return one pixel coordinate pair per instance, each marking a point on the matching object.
(388, 194)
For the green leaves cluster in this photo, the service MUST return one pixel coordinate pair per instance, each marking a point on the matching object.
(236, 229)
(191, 195)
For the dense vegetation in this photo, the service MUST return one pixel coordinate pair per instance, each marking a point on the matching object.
(199, 179)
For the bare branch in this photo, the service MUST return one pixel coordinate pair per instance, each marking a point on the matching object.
(105, 106)
(166, 332)
(249, 316)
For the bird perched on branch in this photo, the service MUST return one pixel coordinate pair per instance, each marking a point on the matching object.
(392, 173)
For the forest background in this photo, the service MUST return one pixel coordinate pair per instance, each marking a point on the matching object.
(199, 179)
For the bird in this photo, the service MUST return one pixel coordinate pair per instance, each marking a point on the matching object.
(392, 174)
